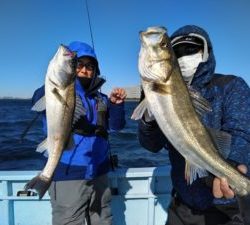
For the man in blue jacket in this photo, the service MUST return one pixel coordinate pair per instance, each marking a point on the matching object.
(203, 202)
(79, 190)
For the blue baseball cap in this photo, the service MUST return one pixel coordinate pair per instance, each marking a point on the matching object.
(82, 49)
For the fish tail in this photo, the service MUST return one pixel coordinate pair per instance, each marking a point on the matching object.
(40, 184)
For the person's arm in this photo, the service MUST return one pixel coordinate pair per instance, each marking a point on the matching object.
(150, 136)
(38, 101)
(116, 109)
(236, 122)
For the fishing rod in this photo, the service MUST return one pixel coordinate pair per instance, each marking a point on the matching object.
(113, 157)
(90, 27)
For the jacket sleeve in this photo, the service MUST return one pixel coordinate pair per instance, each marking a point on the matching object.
(236, 120)
(116, 115)
(39, 93)
(150, 136)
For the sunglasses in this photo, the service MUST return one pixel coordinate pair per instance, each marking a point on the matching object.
(186, 49)
(89, 66)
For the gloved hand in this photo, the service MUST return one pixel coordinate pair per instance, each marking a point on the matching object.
(101, 132)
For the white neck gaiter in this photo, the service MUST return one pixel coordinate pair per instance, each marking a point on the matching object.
(188, 65)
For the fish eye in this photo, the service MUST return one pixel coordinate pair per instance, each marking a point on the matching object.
(164, 44)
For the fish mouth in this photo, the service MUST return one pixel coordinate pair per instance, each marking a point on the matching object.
(156, 61)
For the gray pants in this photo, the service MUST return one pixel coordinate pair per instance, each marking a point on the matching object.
(79, 201)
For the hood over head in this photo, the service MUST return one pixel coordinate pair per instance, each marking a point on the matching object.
(206, 68)
(82, 49)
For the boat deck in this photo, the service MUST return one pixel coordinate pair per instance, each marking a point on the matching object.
(140, 196)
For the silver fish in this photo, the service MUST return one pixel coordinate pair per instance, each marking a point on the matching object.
(59, 102)
(167, 98)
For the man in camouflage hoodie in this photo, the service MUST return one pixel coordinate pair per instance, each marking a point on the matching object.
(202, 202)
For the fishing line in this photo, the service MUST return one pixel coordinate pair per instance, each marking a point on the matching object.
(90, 27)
(112, 157)
(28, 127)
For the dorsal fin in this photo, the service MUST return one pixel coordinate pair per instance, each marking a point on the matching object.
(222, 141)
(200, 104)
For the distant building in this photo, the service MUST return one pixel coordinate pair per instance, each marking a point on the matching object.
(133, 92)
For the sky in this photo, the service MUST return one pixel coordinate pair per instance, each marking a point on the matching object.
(32, 30)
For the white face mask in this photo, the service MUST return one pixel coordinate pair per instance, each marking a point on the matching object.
(188, 65)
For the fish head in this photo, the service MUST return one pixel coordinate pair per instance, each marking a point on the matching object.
(61, 69)
(156, 54)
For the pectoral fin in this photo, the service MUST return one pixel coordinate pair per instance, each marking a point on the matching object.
(59, 97)
(200, 104)
(140, 110)
(40, 105)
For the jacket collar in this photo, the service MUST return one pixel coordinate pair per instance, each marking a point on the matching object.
(93, 89)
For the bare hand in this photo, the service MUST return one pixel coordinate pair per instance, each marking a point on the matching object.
(117, 95)
(221, 187)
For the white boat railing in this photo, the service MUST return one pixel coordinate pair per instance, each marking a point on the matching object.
(140, 196)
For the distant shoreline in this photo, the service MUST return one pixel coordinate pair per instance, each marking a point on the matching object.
(10, 98)
(13, 98)
(132, 100)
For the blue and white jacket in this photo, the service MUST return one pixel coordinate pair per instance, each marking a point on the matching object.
(229, 97)
(89, 157)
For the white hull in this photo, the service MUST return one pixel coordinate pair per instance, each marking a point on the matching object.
(141, 197)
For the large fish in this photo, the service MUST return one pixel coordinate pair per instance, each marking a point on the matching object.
(167, 98)
(59, 102)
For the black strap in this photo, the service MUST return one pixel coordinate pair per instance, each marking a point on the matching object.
(83, 127)
(31, 123)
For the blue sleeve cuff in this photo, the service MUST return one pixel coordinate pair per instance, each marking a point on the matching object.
(116, 116)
